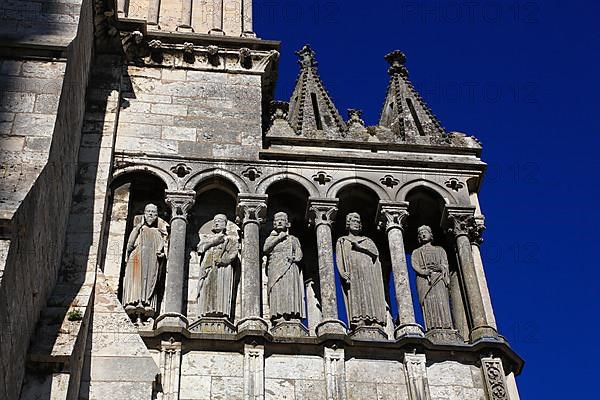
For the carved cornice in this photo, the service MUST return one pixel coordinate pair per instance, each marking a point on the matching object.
(180, 202)
(251, 208)
(322, 211)
(148, 51)
(392, 215)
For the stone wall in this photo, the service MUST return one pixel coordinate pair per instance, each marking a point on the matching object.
(39, 223)
(28, 105)
(190, 114)
(207, 375)
(45, 22)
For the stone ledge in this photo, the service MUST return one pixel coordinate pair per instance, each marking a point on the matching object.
(499, 347)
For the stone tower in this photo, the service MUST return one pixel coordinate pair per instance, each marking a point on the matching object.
(169, 231)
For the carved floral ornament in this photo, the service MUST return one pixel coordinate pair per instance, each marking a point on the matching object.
(181, 170)
(389, 181)
(454, 184)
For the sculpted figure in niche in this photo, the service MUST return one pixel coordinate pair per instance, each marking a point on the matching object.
(431, 265)
(146, 257)
(285, 284)
(359, 266)
(218, 251)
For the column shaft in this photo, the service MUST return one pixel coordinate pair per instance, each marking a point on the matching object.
(247, 17)
(392, 216)
(322, 214)
(465, 256)
(462, 225)
(251, 271)
(174, 281)
(326, 272)
(251, 210)
(180, 203)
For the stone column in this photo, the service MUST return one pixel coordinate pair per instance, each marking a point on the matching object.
(460, 223)
(392, 217)
(251, 210)
(494, 377)
(322, 214)
(180, 202)
(217, 18)
(476, 241)
(415, 368)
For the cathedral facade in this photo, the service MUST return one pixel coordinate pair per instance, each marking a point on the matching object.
(169, 230)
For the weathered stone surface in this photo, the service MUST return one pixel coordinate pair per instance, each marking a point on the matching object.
(195, 387)
(212, 363)
(294, 367)
(449, 373)
(374, 371)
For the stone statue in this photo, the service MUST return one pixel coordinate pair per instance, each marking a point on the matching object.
(431, 265)
(219, 252)
(359, 266)
(285, 284)
(146, 257)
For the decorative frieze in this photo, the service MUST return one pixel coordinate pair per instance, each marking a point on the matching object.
(495, 380)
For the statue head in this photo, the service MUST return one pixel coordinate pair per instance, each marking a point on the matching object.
(219, 223)
(150, 213)
(281, 221)
(424, 234)
(353, 222)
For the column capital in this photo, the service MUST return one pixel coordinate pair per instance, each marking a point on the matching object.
(180, 202)
(392, 214)
(321, 211)
(251, 208)
(459, 220)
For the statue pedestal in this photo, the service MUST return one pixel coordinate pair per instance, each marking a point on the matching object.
(289, 329)
(409, 330)
(212, 325)
(444, 336)
(372, 332)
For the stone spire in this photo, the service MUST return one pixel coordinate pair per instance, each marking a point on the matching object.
(312, 112)
(404, 111)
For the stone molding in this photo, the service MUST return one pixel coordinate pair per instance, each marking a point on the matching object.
(152, 51)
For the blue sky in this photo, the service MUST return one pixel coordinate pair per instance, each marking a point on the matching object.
(522, 77)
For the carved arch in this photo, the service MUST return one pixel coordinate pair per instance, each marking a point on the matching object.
(339, 185)
(169, 181)
(264, 184)
(199, 177)
(422, 183)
